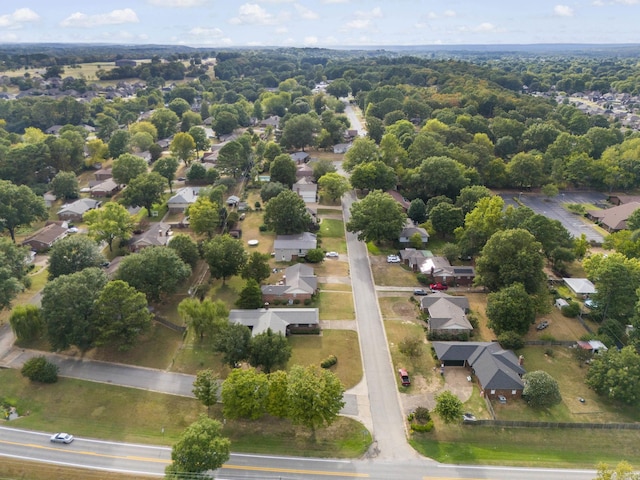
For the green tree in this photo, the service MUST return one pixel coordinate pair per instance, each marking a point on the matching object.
(287, 214)
(445, 218)
(244, 394)
(27, 322)
(19, 206)
(179, 106)
(204, 216)
(225, 123)
(225, 255)
(165, 121)
(257, 267)
(526, 170)
(127, 166)
(108, 223)
(300, 131)
(540, 389)
(233, 343)
(203, 317)
(167, 167)
(39, 369)
(65, 185)
(283, 170)
(269, 350)
(333, 186)
(623, 471)
(270, 190)
(377, 217)
(616, 374)
(315, 397)
(144, 127)
(205, 388)
(250, 296)
(375, 175)
(322, 167)
(200, 448)
(183, 146)
(278, 401)
(13, 277)
(68, 304)
(511, 256)
(144, 190)
(511, 309)
(470, 196)
(119, 143)
(448, 407)
(141, 141)
(186, 249)
(233, 159)
(199, 136)
(73, 254)
(417, 210)
(363, 150)
(155, 271)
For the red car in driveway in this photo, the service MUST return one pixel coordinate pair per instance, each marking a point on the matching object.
(404, 377)
(438, 286)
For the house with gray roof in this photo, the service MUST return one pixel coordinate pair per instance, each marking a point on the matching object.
(497, 371)
(280, 320)
(580, 286)
(75, 211)
(105, 188)
(292, 247)
(299, 283)
(615, 218)
(300, 157)
(410, 230)
(44, 238)
(158, 235)
(182, 199)
(438, 268)
(447, 316)
(306, 189)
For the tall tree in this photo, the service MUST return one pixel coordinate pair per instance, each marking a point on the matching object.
(377, 217)
(73, 254)
(19, 206)
(283, 170)
(203, 317)
(120, 315)
(13, 271)
(186, 249)
(225, 255)
(322, 167)
(287, 214)
(204, 216)
(165, 121)
(257, 267)
(479, 224)
(200, 448)
(144, 190)
(167, 167)
(540, 389)
(315, 397)
(333, 185)
(363, 150)
(183, 146)
(205, 388)
(250, 296)
(616, 375)
(199, 136)
(375, 175)
(155, 271)
(65, 185)
(268, 350)
(233, 343)
(445, 218)
(27, 322)
(108, 223)
(127, 167)
(417, 210)
(299, 131)
(448, 407)
(470, 196)
(68, 304)
(245, 394)
(511, 309)
(119, 143)
(232, 158)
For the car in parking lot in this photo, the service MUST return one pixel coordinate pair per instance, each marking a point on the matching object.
(404, 377)
(542, 325)
(393, 259)
(61, 438)
(332, 254)
(438, 286)
(420, 292)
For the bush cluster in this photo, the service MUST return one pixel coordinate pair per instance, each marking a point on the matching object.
(38, 369)
(329, 362)
(420, 427)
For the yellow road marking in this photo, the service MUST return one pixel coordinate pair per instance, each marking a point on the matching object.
(291, 470)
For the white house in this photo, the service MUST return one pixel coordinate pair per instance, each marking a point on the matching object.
(182, 199)
(306, 189)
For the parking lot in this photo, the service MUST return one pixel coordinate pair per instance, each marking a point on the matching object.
(552, 208)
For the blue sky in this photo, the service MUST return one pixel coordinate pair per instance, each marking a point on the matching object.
(320, 23)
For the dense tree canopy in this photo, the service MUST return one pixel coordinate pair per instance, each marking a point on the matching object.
(376, 217)
(616, 375)
(19, 206)
(108, 223)
(73, 254)
(287, 214)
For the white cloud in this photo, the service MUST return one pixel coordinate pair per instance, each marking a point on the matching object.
(563, 11)
(206, 32)
(359, 23)
(17, 18)
(253, 14)
(311, 40)
(335, 1)
(627, 2)
(449, 13)
(176, 3)
(484, 27)
(282, 29)
(363, 19)
(432, 15)
(8, 37)
(115, 17)
(306, 13)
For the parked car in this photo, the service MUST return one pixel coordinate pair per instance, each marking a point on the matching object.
(61, 438)
(420, 292)
(502, 399)
(542, 325)
(438, 286)
(589, 303)
(404, 377)
(393, 259)
(468, 417)
(72, 230)
(332, 254)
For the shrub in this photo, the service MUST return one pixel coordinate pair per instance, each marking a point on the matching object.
(329, 362)
(296, 301)
(473, 320)
(315, 255)
(410, 346)
(422, 415)
(308, 301)
(511, 341)
(263, 228)
(572, 310)
(549, 352)
(38, 369)
(418, 427)
(423, 279)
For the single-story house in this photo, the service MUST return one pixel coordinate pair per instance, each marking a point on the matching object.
(279, 320)
(622, 199)
(438, 268)
(580, 286)
(272, 121)
(342, 147)
(291, 247)
(182, 199)
(306, 189)
(76, 210)
(49, 198)
(447, 314)
(105, 188)
(404, 203)
(53, 129)
(300, 157)
(299, 283)
(44, 238)
(158, 235)
(408, 231)
(498, 371)
(164, 143)
(103, 174)
(615, 218)
(303, 171)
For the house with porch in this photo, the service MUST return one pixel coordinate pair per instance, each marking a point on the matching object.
(76, 210)
(408, 231)
(447, 316)
(44, 238)
(280, 320)
(182, 199)
(299, 283)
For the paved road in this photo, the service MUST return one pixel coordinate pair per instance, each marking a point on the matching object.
(552, 208)
(350, 112)
(390, 437)
(151, 460)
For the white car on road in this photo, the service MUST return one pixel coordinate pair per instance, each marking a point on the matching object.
(62, 438)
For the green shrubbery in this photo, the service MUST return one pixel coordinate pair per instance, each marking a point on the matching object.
(38, 369)
(329, 362)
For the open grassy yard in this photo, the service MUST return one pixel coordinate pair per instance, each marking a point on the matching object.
(38, 280)
(478, 304)
(398, 308)
(336, 306)
(337, 287)
(12, 468)
(331, 267)
(391, 274)
(331, 228)
(312, 349)
(560, 327)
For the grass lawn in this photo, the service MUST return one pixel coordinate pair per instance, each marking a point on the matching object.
(398, 308)
(340, 287)
(332, 244)
(336, 306)
(195, 355)
(12, 468)
(312, 349)
(38, 281)
(560, 327)
(331, 267)
(528, 447)
(331, 228)
(478, 304)
(392, 274)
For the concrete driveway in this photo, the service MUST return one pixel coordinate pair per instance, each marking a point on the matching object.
(553, 208)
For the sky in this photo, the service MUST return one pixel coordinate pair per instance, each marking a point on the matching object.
(319, 23)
